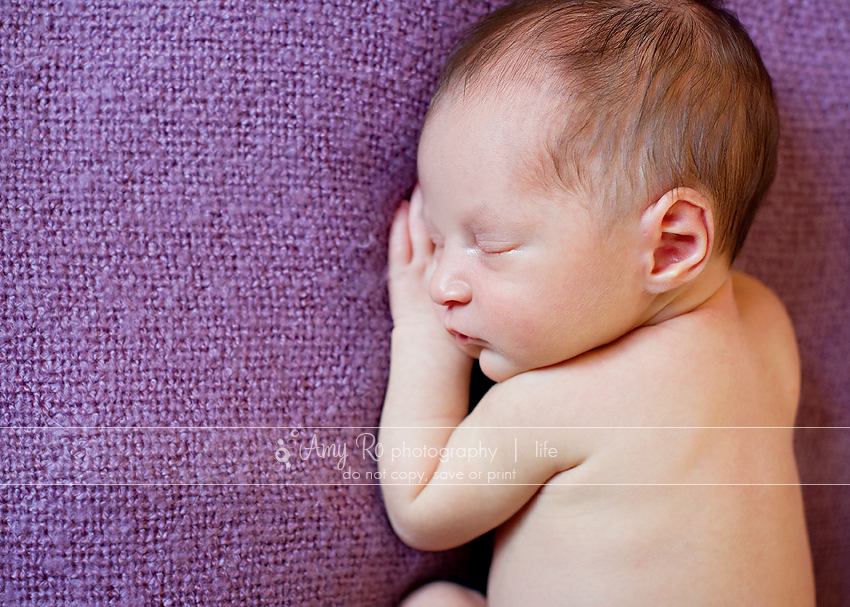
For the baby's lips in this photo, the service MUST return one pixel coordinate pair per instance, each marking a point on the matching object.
(461, 338)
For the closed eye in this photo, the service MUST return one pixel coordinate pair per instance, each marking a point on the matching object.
(491, 246)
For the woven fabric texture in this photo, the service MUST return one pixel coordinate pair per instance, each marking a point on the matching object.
(194, 204)
(195, 201)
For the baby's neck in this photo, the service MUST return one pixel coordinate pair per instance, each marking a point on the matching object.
(712, 288)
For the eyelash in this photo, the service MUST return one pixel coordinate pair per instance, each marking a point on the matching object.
(500, 248)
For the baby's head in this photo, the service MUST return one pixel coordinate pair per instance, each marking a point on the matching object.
(639, 97)
(641, 130)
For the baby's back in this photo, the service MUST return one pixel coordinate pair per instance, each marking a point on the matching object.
(689, 493)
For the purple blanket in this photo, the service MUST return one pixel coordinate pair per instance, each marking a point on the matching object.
(194, 200)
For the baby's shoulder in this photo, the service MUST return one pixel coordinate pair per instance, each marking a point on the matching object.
(737, 356)
(761, 312)
(768, 335)
(749, 330)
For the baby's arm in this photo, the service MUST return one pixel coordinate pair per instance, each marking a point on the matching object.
(426, 406)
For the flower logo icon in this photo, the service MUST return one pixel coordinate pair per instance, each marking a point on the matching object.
(282, 454)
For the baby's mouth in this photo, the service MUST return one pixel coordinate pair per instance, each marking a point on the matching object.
(463, 340)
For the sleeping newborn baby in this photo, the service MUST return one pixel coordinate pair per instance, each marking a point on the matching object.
(588, 171)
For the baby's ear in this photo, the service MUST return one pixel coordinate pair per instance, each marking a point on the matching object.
(678, 233)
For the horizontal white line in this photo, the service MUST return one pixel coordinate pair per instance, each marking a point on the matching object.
(411, 484)
(424, 427)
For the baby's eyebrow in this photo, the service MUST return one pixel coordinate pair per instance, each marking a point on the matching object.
(483, 217)
(480, 214)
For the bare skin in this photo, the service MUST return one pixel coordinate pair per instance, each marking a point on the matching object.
(663, 386)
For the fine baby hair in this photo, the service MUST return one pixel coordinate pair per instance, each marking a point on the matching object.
(644, 96)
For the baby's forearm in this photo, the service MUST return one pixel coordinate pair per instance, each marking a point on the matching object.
(427, 397)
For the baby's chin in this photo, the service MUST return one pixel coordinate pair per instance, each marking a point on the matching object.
(472, 350)
(496, 366)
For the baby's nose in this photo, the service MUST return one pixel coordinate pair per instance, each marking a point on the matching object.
(448, 287)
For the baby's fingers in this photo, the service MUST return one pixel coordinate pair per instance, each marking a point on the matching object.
(400, 250)
(419, 238)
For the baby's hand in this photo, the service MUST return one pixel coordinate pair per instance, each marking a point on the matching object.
(411, 264)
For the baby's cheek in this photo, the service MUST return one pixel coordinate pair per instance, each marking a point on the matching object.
(536, 337)
(531, 327)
